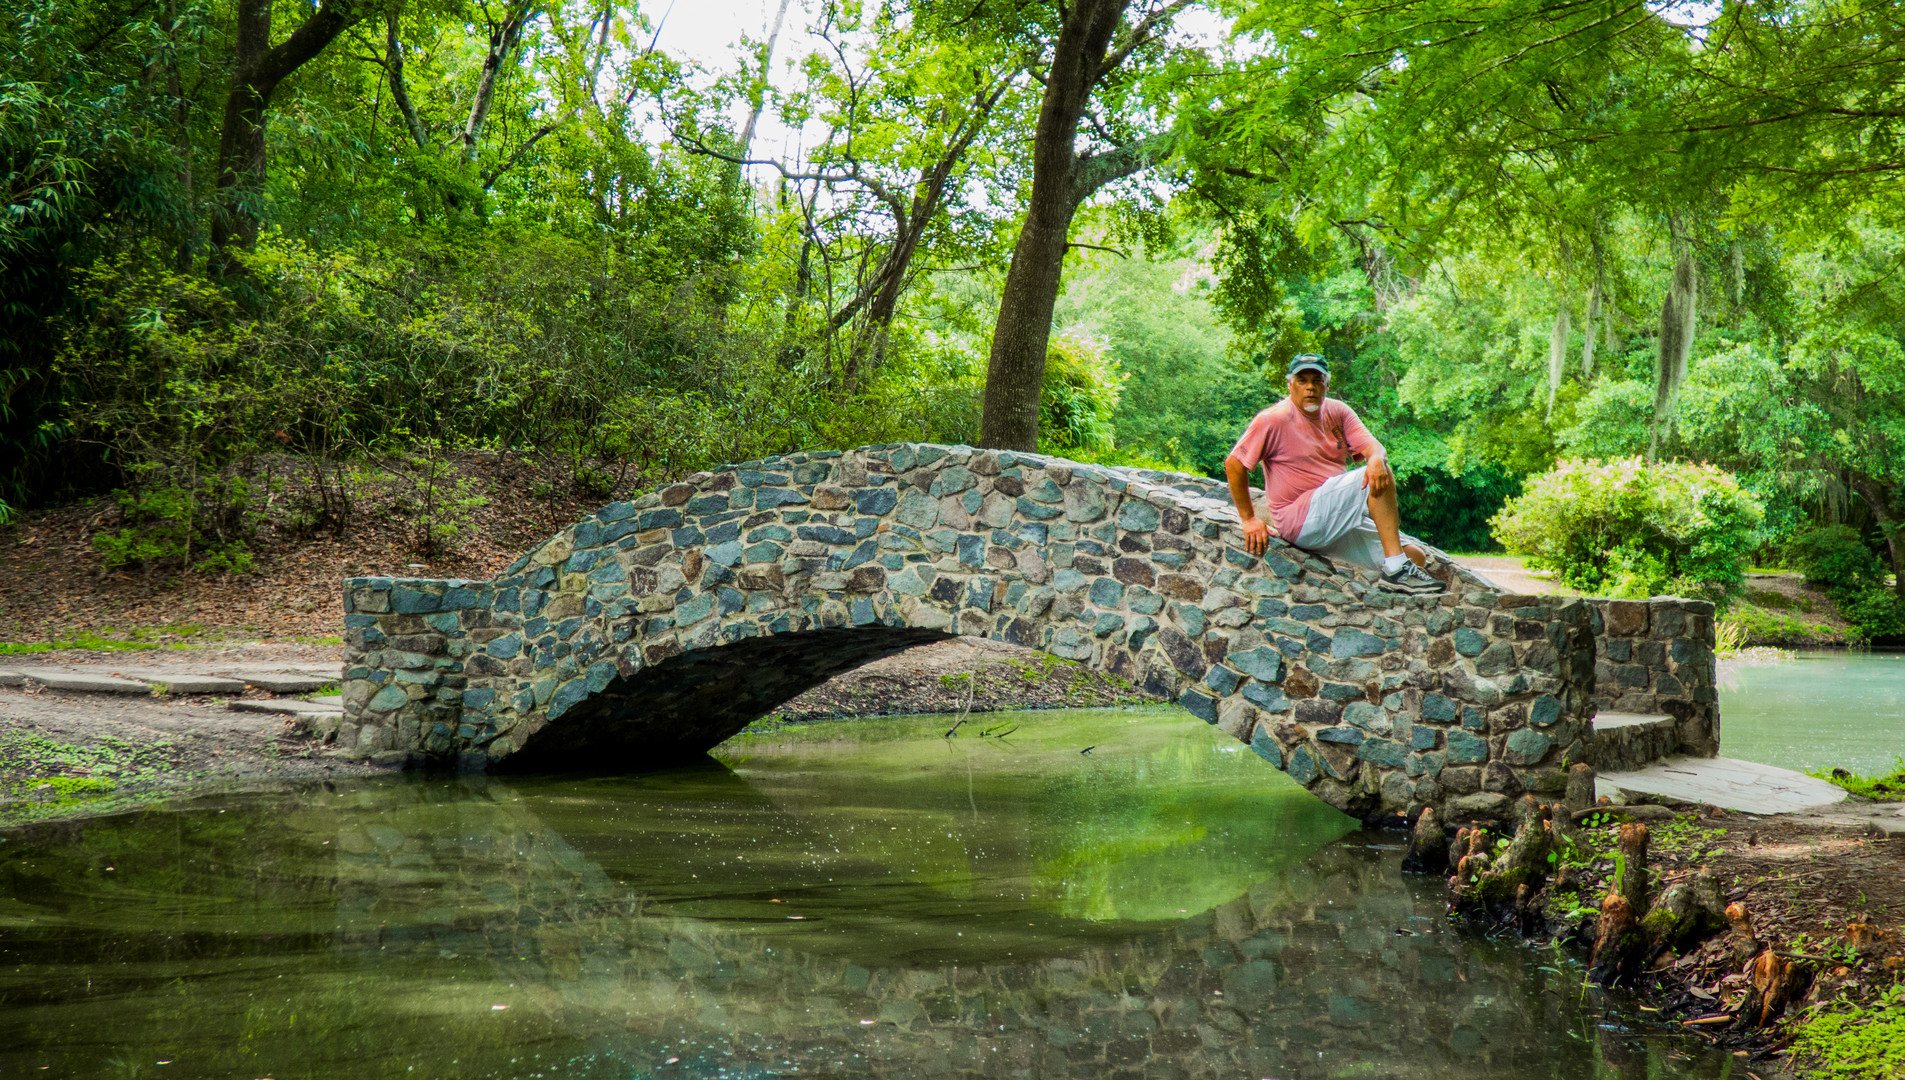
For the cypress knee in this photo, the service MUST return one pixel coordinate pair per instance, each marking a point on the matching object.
(1428, 850)
(1773, 983)
(1580, 793)
(1633, 882)
(1742, 944)
(1617, 941)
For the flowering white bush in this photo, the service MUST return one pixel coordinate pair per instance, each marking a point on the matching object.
(1629, 527)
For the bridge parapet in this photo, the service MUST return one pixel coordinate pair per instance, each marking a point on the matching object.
(656, 628)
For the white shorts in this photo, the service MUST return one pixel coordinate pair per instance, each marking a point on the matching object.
(1338, 525)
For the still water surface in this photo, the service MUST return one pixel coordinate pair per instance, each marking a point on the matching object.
(843, 900)
(1820, 710)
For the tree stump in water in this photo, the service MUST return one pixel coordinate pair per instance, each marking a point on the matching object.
(1632, 880)
(1428, 849)
(1491, 886)
(1618, 943)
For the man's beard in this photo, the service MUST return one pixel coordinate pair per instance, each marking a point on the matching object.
(1313, 408)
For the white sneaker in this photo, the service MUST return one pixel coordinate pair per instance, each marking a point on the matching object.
(1410, 578)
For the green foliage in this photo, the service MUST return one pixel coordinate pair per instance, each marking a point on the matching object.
(1886, 787)
(1452, 509)
(1185, 396)
(1629, 528)
(1082, 387)
(1837, 558)
(84, 640)
(1834, 556)
(1758, 626)
(1852, 1041)
(1876, 614)
(204, 530)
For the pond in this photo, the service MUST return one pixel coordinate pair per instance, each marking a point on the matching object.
(1822, 709)
(839, 900)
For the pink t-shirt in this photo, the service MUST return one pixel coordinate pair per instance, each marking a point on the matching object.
(1298, 452)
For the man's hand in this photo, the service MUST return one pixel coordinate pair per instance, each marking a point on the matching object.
(1376, 476)
(1256, 535)
(1256, 532)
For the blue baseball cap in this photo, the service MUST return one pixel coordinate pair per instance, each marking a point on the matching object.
(1307, 361)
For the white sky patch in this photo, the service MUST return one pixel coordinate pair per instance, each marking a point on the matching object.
(709, 33)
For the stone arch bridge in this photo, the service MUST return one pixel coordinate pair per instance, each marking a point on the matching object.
(655, 629)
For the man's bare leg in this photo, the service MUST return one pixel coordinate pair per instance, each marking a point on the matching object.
(1388, 518)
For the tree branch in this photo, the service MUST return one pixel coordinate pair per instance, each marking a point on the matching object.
(1096, 170)
(393, 67)
(1140, 34)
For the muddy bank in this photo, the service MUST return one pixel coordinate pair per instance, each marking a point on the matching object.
(63, 754)
(1781, 939)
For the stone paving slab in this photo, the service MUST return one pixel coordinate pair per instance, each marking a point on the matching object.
(289, 708)
(1608, 721)
(281, 683)
(179, 682)
(335, 701)
(225, 679)
(56, 679)
(1728, 783)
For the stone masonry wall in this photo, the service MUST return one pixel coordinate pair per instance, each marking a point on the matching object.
(1656, 657)
(656, 628)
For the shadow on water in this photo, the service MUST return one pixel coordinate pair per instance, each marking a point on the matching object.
(828, 902)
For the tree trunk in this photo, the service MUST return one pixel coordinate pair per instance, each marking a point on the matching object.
(399, 92)
(1015, 372)
(759, 90)
(182, 141)
(1878, 497)
(259, 69)
(503, 40)
(881, 297)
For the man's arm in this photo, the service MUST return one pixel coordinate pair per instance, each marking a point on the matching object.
(1256, 532)
(1377, 476)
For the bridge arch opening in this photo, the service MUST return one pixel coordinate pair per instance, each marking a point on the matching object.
(679, 709)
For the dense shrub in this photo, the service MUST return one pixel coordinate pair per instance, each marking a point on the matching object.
(1633, 528)
(555, 348)
(1082, 387)
(1835, 557)
(1450, 509)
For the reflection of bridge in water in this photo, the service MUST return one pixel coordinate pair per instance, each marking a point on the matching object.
(1338, 962)
(655, 629)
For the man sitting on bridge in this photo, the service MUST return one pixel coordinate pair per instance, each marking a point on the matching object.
(1304, 444)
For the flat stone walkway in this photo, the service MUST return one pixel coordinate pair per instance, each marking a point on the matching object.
(1512, 576)
(1728, 783)
(224, 679)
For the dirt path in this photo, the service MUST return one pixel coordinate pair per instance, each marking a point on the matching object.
(1514, 577)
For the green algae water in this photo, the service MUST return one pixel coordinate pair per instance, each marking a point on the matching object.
(853, 899)
(1820, 710)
